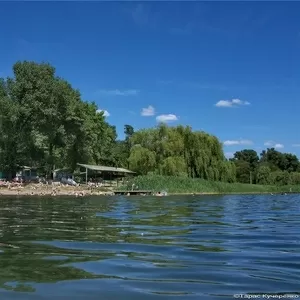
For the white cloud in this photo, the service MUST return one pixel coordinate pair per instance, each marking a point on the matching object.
(237, 142)
(105, 112)
(166, 118)
(278, 146)
(274, 144)
(229, 154)
(117, 92)
(296, 145)
(148, 111)
(231, 103)
(268, 143)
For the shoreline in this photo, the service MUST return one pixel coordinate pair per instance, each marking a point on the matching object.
(231, 193)
(51, 191)
(82, 192)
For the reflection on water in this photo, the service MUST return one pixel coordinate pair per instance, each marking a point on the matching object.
(149, 247)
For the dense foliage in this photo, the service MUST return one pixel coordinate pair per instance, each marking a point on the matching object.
(179, 151)
(272, 167)
(45, 123)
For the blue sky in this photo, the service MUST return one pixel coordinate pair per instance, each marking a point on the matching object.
(229, 68)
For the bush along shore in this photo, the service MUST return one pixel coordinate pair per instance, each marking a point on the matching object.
(186, 185)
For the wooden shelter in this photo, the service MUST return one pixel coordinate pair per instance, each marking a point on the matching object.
(27, 173)
(112, 172)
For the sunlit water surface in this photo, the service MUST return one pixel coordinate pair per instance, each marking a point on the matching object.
(149, 247)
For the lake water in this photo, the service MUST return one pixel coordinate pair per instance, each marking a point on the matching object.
(149, 247)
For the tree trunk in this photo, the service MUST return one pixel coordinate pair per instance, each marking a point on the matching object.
(50, 161)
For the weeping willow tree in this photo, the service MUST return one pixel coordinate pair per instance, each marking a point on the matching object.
(179, 151)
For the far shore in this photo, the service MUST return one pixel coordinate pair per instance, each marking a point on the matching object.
(83, 191)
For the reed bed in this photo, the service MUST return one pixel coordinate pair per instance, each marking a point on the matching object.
(175, 184)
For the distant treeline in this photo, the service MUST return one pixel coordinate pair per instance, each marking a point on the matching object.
(270, 167)
(45, 123)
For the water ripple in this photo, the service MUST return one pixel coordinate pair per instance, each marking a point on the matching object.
(149, 247)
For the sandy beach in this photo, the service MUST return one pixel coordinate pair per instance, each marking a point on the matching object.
(48, 190)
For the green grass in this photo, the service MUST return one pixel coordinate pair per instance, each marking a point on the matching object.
(173, 184)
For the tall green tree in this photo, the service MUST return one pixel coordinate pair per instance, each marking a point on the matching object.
(128, 131)
(246, 162)
(44, 122)
(273, 167)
